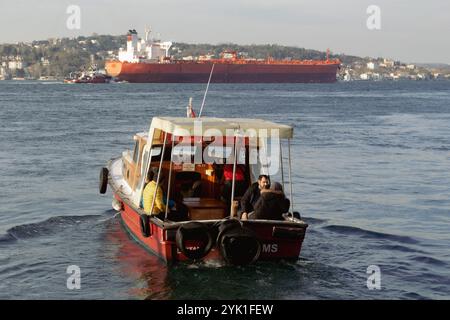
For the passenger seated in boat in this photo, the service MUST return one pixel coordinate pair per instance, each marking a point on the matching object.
(159, 208)
(253, 193)
(148, 178)
(239, 183)
(149, 191)
(188, 184)
(271, 205)
(189, 191)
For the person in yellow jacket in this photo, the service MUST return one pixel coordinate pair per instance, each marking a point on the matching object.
(149, 192)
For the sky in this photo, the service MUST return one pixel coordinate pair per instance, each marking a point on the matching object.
(409, 30)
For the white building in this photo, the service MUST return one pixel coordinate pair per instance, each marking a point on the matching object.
(371, 65)
(45, 61)
(15, 64)
(364, 76)
(388, 62)
(205, 57)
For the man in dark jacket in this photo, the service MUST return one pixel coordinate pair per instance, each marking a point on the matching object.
(271, 204)
(253, 193)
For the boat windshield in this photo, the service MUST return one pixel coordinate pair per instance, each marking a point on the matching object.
(223, 154)
(184, 153)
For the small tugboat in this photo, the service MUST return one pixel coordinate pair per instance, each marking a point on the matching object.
(90, 76)
(191, 153)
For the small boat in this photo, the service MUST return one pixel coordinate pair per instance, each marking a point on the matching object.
(90, 76)
(192, 153)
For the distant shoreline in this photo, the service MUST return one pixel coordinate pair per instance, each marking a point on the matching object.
(58, 58)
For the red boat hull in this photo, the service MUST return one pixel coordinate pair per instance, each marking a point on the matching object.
(192, 72)
(160, 244)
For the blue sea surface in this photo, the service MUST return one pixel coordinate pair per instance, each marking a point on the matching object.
(371, 173)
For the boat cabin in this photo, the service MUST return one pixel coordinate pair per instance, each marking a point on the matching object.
(195, 155)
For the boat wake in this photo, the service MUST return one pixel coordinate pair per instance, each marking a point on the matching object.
(50, 226)
(370, 234)
(7, 238)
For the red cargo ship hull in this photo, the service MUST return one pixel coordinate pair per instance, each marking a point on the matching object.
(198, 72)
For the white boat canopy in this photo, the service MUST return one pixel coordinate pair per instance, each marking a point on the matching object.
(179, 126)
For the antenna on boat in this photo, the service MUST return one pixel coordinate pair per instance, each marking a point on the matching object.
(206, 91)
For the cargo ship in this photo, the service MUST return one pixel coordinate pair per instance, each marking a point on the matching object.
(148, 60)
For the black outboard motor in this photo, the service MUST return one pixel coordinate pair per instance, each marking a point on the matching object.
(238, 245)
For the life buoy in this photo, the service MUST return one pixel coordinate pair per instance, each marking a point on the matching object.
(194, 240)
(239, 246)
(225, 226)
(103, 183)
(145, 225)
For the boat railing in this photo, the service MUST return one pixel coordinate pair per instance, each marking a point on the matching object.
(264, 62)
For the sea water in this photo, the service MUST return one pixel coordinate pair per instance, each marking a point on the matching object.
(371, 173)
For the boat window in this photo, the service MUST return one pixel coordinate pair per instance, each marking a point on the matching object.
(269, 158)
(136, 152)
(241, 155)
(144, 162)
(184, 153)
(222, 154)
(156, 151)
(219, 151)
